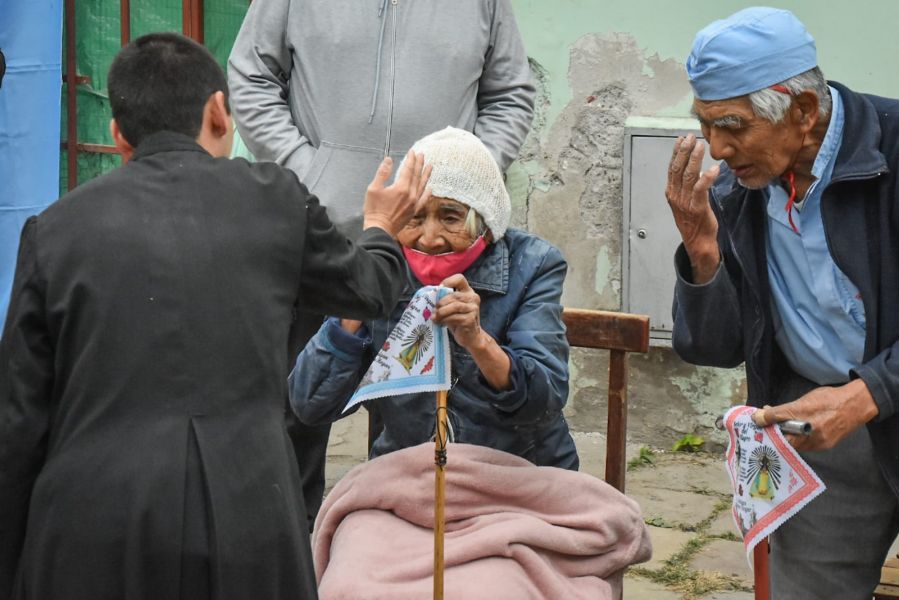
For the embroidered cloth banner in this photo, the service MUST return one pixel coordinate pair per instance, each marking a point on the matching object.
(415, 357)
(770, 481)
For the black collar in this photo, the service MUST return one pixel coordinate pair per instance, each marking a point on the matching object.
(166, 141)
(860, 156)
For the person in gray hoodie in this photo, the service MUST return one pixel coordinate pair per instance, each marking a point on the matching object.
(327, 88)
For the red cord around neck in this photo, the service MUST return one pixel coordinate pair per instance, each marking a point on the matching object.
(791, 180)
(791, 177)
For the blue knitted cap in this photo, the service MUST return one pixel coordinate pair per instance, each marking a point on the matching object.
(750, 50)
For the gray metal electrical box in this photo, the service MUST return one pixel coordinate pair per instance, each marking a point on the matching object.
(650, 237)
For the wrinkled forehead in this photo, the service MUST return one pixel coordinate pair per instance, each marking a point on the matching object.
(708, 111)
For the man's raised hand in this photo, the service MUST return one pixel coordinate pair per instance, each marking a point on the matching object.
(688, 196)
(391, 207)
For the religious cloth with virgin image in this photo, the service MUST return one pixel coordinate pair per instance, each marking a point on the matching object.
(414, 358)
(770, 481)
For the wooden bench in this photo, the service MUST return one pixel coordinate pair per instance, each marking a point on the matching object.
(889, 580)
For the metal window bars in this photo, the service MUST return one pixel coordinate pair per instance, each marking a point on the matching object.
(192, 26)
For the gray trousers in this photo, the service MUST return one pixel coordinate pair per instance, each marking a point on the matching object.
(835, 546)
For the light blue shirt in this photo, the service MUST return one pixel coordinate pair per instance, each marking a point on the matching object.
(818, 312)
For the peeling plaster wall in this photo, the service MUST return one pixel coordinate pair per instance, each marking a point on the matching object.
(596, 63)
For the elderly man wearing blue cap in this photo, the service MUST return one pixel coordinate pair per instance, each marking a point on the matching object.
(790, 263)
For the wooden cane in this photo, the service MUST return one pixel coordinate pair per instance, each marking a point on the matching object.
(439, 492)
(760, 570)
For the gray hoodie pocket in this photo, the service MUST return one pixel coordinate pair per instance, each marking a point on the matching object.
(339, 176)
(314, 171)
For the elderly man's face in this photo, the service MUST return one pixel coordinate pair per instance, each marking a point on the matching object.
(756, 150)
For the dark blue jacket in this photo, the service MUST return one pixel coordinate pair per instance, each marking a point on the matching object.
(519, 280)
(729, 320)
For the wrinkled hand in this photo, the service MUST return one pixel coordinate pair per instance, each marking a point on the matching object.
(688, 196)
(460, 312)
(391, 207)
(834, 413)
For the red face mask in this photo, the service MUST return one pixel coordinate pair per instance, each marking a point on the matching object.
(431, 269)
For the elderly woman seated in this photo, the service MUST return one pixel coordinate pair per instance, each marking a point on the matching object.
(509, 351)
(517, 527)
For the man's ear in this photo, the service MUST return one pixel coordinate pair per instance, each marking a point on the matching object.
(122, 145)
(217, 129)
(219, 116)
(805, 110)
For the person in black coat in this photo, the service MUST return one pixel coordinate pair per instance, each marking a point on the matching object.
(143, 451)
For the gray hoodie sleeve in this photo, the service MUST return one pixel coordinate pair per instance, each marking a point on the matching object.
(505, 91)
(258, 71)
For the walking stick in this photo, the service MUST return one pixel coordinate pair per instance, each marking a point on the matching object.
(760, 570)
(439, 492)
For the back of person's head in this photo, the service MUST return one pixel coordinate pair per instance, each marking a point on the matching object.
(161, 82)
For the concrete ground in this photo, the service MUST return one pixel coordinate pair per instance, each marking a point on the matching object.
(685, 500)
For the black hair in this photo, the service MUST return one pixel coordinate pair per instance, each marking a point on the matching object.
(161, 82)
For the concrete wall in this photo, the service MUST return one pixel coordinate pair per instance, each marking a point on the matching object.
(597, 63)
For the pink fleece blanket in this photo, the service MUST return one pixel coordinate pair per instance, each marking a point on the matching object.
(513, 530)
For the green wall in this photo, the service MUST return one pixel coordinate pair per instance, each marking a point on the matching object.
(857, 41)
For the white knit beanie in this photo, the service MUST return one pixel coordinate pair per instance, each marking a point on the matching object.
(464, 170)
